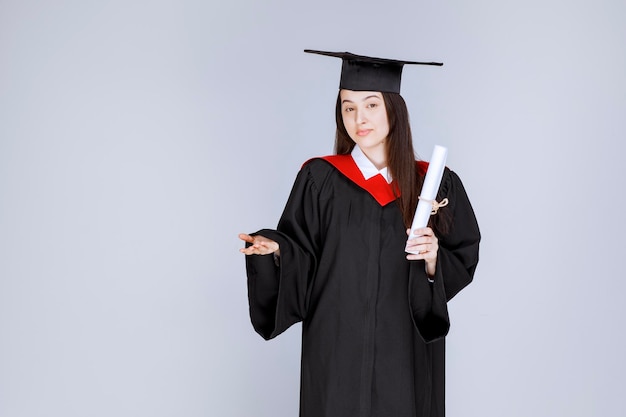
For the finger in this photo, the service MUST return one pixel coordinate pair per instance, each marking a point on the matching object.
(421, 240)
(246, 238)
(424, 231)
(414, 249)
(422, 247)
(251, 250)
(246, 251)
(414, 257)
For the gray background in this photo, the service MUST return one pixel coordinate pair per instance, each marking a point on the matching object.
(137, 138)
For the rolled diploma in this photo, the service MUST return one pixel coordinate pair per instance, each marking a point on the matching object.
(429, 189)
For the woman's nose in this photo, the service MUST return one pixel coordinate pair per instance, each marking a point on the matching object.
(360, 117)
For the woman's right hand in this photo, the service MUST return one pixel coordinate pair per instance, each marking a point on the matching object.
(260, 245)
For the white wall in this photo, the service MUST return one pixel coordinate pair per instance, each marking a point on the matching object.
(137, 138)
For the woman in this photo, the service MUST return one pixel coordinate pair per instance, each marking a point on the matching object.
(372, 303)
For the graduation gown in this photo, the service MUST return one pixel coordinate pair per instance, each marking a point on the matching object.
(373, 325)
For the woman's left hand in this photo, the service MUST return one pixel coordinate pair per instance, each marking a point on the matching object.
(423, 245)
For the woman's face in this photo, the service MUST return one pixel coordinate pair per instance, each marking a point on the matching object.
(365, 119)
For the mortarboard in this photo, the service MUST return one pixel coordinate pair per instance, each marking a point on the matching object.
(364, 73)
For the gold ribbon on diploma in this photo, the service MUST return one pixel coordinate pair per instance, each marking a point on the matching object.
(436, 205)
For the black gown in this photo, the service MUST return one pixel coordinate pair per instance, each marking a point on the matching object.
(373, 325)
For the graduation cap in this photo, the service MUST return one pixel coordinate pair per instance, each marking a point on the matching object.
(364, 73)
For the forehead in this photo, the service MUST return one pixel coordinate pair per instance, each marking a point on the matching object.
(351, 95)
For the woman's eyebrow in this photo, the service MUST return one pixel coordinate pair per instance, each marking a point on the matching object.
(368, 97)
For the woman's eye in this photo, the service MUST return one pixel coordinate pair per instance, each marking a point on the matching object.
(347, 109)
(372, 105)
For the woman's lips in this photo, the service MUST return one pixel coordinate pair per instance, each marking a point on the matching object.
(363, 132)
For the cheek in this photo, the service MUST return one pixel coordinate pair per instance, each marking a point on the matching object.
(346, 121)
(383, 121)
(349, 126)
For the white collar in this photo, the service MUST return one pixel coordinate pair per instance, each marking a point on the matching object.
(368, 169)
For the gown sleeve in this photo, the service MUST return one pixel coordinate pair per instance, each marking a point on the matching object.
(457, 259)
(278, 288)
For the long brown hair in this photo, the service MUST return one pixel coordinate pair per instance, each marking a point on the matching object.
(400, 153)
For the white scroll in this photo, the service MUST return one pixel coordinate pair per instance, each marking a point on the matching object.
(432, 181)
